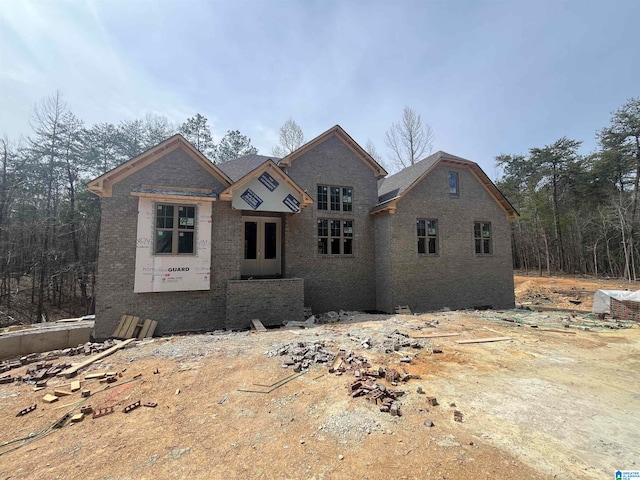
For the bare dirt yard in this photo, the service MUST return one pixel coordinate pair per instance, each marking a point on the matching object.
(561, 400)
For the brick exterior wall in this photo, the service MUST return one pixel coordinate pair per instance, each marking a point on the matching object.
(456, 277)
(385, 269)
(384, 291)
(272, 301)
(174, 311)
(333, 282)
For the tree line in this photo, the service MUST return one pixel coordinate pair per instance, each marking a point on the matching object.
(49, 221)
(578, 213)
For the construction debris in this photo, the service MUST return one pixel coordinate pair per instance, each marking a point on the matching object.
(48, 398)
(131, 327)
(101, 412)
(73, 370)
(26, 410)
(133, 406)
(485, 340)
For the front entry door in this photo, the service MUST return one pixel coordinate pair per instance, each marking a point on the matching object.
(262, 246)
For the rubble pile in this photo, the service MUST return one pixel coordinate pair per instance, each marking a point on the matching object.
(302, 355)
(44, 368)
(397, 340)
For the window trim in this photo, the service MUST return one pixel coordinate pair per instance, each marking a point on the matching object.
(175, 229)
(342, 238)
(481, 238)
(428, 237)
(457, 177)
(327, 201)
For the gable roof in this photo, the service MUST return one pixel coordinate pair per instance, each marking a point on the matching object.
(238, 168)
(395, 187)
(102, 185)
(275, 172)
(339, 132)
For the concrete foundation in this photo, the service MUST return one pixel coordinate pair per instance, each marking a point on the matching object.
(45, 337)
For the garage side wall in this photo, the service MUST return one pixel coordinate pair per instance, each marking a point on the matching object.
(456, 277)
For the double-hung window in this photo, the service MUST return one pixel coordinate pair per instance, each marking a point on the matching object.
(482, 238)
(335, 237)
(427, 231)
(175, 229)
(335, 199)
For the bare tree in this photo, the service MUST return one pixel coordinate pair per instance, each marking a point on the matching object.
(291, 138)
(409, 140)
(371, 150)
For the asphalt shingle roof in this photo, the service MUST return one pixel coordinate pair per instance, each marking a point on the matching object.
(238, 168)
(396, 184)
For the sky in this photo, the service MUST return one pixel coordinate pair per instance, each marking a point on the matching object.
(489, 77)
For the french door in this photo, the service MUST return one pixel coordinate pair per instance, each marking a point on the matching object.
(262, 246)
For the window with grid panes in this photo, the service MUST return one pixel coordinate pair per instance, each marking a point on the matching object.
(427, 231)
(335, 199)
(175, 229)
(482, 238)
(335, 237)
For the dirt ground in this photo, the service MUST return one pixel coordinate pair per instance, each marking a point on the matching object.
(546, 404)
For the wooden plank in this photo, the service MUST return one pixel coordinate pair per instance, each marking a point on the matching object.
(556, 330)
(257, 324)
(152, 329)
(435, 335)
(92, 376)
(145, 328)
(120, 326)
(485, 340)
(74, 369)
(132, 327)
(75, 385)
(48, 398)
(58, 392)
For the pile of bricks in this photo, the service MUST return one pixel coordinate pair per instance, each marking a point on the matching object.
(377, 393)
(41, 371)
(303, 355)
(397, 340)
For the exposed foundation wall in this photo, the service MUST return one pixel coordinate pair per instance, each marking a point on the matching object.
(174, 311)
(456, 277)
(333, 282)
(44, 339)
(272, 301)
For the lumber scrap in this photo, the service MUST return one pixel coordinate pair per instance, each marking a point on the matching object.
(118, 331)
(435, 335)
(257, 324)
(485, 340)
(556, 330)
(148, 327)
(71, 371)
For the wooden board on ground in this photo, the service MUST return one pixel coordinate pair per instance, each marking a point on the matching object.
(556, 330)
(71, 371)
(485, 340)
(435, 335)
(403, 310)
(257, 324)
